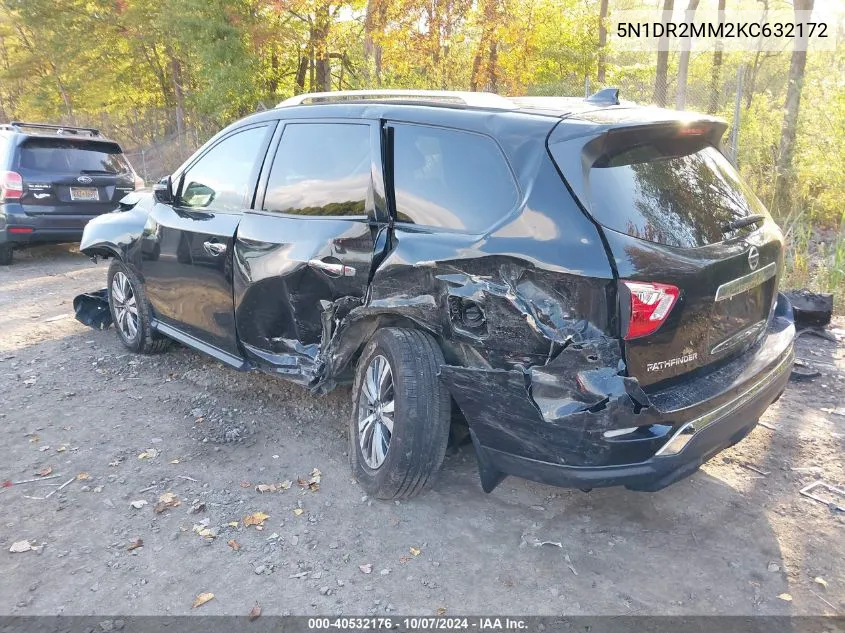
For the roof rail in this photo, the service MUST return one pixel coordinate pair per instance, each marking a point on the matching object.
(58, 129)
(434, 97)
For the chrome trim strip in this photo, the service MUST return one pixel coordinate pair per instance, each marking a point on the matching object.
(702, 422)
(739, 337)
(741, 284)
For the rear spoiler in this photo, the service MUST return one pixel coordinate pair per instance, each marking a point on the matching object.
(56, 129)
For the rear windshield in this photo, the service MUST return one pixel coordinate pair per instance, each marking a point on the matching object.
(62, 155)
(675, 192)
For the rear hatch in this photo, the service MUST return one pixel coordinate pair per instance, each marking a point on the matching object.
(72, 176)
(696, 253)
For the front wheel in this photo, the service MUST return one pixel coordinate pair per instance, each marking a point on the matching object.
(130, 311)
(400, 422)
(6, 254)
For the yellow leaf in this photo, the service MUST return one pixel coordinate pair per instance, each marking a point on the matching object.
(786, 597)
(257, 518)
(165, 501)
(202, 599)
(298, 511)
(820, 581)
(233, 524)
(415, 551)
(83, 476)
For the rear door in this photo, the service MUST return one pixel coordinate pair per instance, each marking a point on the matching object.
(676, 215)
(187, 246)
(72, 176)
(303, 256)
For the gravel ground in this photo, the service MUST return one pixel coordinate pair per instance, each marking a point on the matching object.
(125, 430)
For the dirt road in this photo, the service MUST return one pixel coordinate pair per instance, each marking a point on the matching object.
(728, 540)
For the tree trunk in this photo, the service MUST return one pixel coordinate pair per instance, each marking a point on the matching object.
(785, 177)
(322, 65)
(179, 97)
(373, 24)
(602, 41)
(716, 75)
(661, 78)
(683, 63)
(301, 71)
(484, 64)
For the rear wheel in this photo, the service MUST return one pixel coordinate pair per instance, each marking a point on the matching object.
(400, 422)
(130, 311)
(6, 254)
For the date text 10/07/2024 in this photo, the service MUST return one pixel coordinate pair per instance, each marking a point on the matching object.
(419, 624)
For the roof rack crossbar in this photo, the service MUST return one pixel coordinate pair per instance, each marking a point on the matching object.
(472, 99)
(59, 129)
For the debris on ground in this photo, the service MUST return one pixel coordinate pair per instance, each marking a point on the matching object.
(810, 308)
(135, 544)
(256, 518)
(802, 370)
(140, 503)
(19, 547)
(367, 568)
(165, 501)
(835, 492)
(201, 599)
(254, 613)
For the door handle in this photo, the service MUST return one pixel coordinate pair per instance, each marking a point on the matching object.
(214, 248)
(332, 269)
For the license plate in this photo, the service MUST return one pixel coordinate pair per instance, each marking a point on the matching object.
(84, 193)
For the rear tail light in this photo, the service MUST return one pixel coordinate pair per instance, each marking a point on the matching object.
(650, 305)
(11, 185)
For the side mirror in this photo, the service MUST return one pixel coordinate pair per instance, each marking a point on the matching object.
(163, 190)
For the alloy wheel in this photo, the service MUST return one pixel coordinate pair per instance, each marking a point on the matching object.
(125, 306)
(375, 412)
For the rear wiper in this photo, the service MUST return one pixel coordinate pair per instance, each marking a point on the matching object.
(748, 220)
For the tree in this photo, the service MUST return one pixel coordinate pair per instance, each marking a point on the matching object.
(716, 74)
(791, 106)
(661, 76)
(683, 63)
(600, 75)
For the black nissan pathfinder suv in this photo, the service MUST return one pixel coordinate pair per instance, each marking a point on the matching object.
(53, 180)
(590, 283)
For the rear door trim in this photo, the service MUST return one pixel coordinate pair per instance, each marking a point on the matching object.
(742, 284)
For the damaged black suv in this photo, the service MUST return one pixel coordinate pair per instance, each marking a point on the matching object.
(590, 284)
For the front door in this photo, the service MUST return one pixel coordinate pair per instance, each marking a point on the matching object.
(304, 254)
(189, 281)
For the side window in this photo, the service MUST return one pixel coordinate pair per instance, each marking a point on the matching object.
(450, 179)
(320, 169)
(221, 178)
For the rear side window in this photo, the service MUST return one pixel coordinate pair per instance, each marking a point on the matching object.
(57, 155)
(222, 177)
(675, 192)
(321, 169)
(450, 179)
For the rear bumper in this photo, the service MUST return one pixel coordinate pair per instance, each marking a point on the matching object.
(642, 442)
(19, 227)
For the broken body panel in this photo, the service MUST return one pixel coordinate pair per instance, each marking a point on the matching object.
(527, 313)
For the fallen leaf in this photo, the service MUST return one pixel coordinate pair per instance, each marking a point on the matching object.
(135, 544)
(286, 484)
(820, 581)
(233, 524)
(256, 518)
(298, 511)
(415, 551)
(150, 453)
(233, 544)
(115, 462)
(786, 597)
(254, 613)
(440, 611)
(165, 501)
(34, 439)
(83, 476)
(266, 488)
(61, 449)
(202, 599)
(246, 484)
(367, 568)
(19, 547)
(140, 503)
(404, 559)
(203, 531)
(45, 471)
(173, 461)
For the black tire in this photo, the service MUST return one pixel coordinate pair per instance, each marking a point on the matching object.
(145, 340)
(6, 254)
(421, 415)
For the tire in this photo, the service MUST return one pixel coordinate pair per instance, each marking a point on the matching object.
(6, 254)
(123, 284)
(419, 431)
